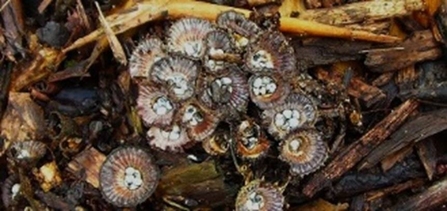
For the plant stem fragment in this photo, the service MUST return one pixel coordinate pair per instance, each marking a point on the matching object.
(146, 12)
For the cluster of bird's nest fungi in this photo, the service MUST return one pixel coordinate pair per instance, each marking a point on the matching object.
(235, 73)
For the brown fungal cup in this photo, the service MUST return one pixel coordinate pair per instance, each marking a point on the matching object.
(173, 138)
(228, 92)
(219, 49)
(296, 112)
(242, 29)
(187, 35)
(10, 190)
(267, 90)
(128, 177)
(148, 51)
(304, 150)
(217, 143)
(27, 152)
(258, 195)
(177, 74)
(200, 121)
(155, 106)
(271, 53)
(251, 142)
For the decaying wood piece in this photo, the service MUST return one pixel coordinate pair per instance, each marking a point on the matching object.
(357, 87)
(441, 22)
(354, 183)
(419, 128)
(361, 11)
(368, 94)
(393, 158)
(383, 79)
(395, 189)
(5, 81)
(13, 26)
(427, 154)
(313, 52)
(409, 24)
(406, 77)
(429, 199)
(204, 178)
(421, 46)
(86, 165)
(54, 201)
(348, 157)
(426, 82)
(145, 12)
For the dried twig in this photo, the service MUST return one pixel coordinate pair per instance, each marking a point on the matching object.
(431, 198)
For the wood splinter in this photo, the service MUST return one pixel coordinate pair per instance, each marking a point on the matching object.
(146, 12)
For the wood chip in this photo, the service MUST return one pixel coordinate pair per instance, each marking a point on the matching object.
(86, 165)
